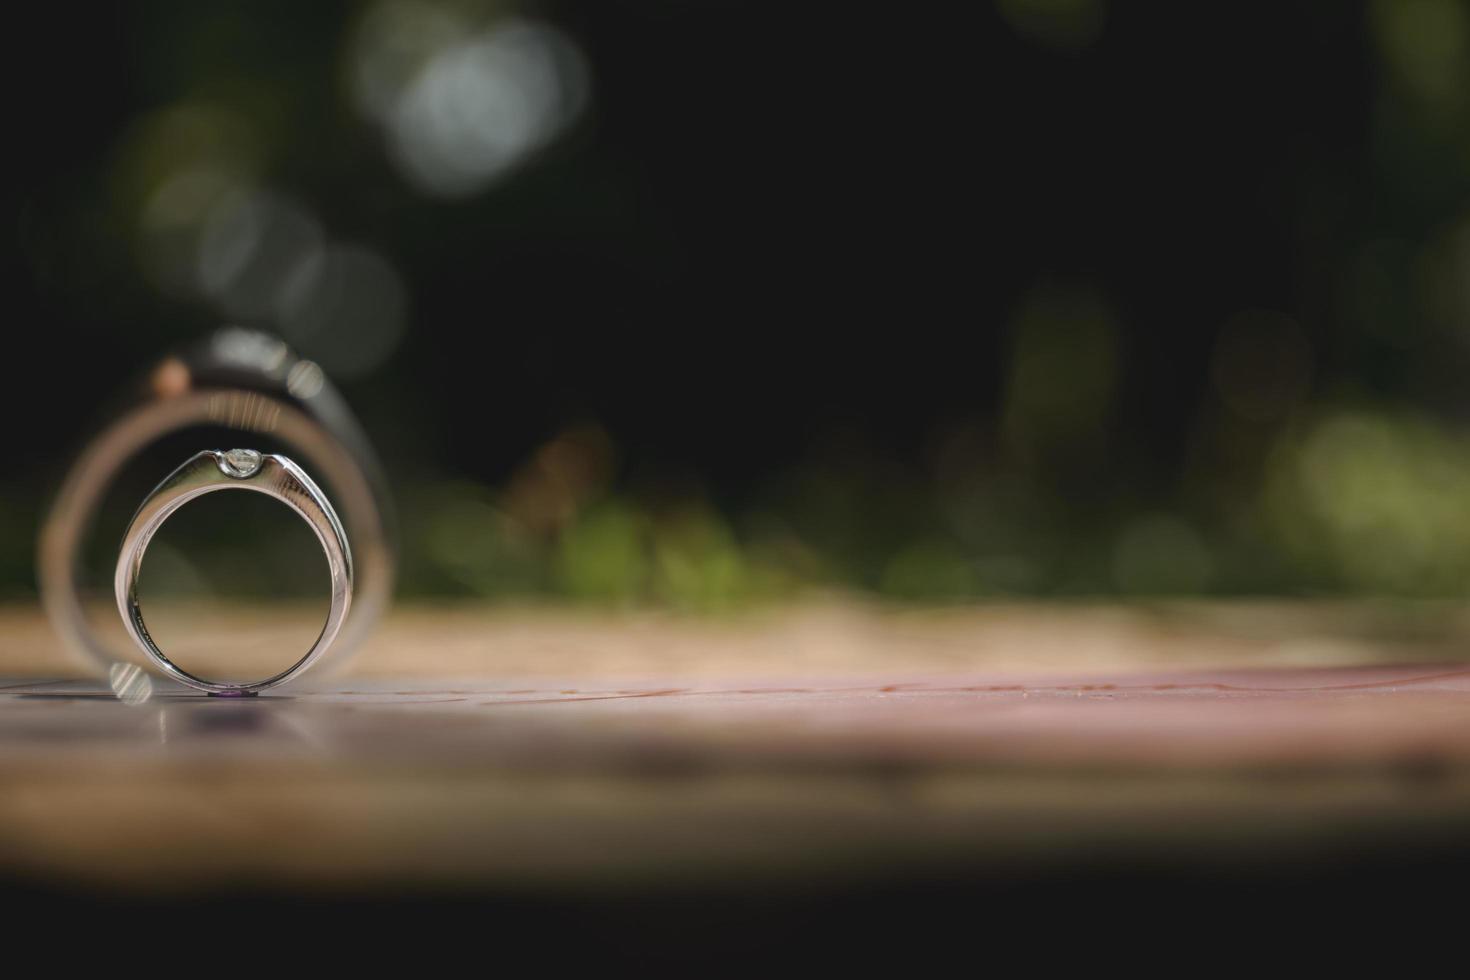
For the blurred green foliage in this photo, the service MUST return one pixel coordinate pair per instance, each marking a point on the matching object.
(1297, 480)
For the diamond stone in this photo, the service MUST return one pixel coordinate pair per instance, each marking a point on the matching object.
(239, 462)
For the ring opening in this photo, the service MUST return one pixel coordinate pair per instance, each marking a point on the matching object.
(234, 587)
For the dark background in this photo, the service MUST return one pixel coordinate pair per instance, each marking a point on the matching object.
(1057, 298)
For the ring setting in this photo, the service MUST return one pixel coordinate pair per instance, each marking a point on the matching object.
(238, 469)
(239, 462)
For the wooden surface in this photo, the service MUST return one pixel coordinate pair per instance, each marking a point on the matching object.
(471, 745)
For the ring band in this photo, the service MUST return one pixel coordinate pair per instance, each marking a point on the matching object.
(237, 469)
(255, 386)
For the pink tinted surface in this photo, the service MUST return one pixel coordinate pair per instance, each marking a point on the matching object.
(1256, 716)
(646, 764)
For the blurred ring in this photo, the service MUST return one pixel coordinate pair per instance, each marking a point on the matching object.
(238, 469)
(249, 382)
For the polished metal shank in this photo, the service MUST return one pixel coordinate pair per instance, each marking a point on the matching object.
(255, 386)
(207, 472)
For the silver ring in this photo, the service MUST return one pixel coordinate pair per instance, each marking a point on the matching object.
(255, 385)
(237, 469)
